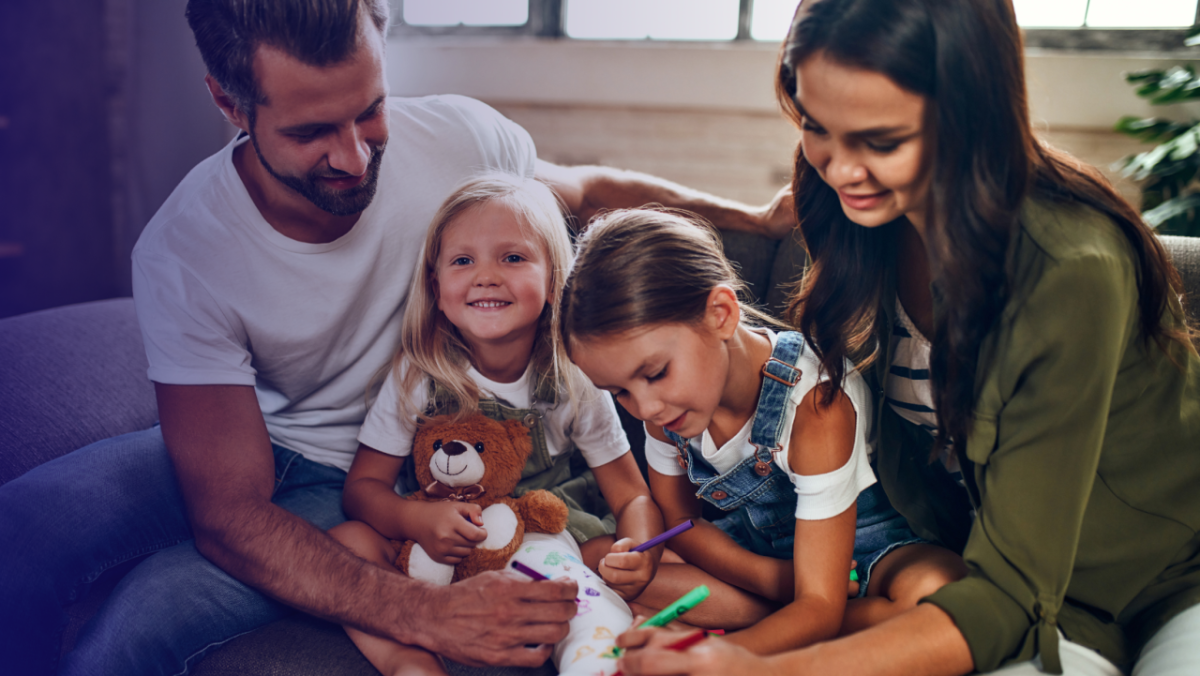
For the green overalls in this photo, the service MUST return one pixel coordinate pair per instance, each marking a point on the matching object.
(566, 475)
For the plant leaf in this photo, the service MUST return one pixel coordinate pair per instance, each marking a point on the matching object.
(1171, 209)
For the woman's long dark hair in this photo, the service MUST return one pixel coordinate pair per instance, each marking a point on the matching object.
(966, 58)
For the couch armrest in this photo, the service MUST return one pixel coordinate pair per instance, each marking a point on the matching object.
(70, 376)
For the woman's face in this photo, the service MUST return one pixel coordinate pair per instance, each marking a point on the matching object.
(865, 137)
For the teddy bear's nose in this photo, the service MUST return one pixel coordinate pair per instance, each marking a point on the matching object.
(454, 448)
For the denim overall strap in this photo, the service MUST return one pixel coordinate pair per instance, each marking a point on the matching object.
(748, 478)
(780, 375)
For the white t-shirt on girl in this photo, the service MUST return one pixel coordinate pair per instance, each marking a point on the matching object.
(590, 422)
(820, 496)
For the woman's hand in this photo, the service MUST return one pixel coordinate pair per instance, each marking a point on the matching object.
(626, 572)
(646, 652)
(447, 530)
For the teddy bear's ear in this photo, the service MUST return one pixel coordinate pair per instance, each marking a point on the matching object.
(518, 434)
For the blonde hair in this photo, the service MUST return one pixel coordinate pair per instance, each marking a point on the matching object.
(434, 347)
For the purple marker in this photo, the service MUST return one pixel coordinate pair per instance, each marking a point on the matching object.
(659, 539)
(522, 568)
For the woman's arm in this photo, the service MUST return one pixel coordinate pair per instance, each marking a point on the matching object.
(924, 641)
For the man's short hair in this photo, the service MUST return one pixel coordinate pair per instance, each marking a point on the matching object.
(316, 32)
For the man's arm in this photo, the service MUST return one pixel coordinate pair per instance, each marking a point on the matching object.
(218, 443)
(587, 190)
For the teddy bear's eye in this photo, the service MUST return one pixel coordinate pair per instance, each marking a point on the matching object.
(479, 447)
(437, 445)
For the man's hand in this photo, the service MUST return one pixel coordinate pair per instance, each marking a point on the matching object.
(589, 190)
(778, 218)
(626, 572)
(448, 530)
(496, 618)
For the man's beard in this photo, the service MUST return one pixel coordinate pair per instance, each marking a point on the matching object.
(337, 202)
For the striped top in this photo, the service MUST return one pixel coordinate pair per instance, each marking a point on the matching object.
(909, 392)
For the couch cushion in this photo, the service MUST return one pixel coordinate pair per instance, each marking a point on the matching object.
(1185, 252)
(71, 376)
(305, 646)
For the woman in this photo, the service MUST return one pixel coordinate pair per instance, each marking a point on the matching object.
(1049, 428)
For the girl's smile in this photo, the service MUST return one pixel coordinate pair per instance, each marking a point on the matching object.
(492, 278)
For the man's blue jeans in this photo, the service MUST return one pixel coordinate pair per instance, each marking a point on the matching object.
(66, 522)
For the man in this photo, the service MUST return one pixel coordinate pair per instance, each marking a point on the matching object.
(269, 288)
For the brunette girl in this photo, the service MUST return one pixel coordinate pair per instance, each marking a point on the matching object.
(741, 417)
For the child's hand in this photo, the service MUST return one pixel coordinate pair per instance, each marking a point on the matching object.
(449, 530)
(626, 572)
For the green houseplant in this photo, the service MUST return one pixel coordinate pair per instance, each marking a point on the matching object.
(1167, 172)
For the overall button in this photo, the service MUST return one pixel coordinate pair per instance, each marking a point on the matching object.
(718, 495)
(529, 420)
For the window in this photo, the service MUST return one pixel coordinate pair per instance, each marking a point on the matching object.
(653, 19)
(1105, 13)
(1144, 25)
(466, 12)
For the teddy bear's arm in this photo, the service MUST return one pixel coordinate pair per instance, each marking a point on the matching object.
(542, 511)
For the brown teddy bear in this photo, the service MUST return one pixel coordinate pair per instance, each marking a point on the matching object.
(478, 460)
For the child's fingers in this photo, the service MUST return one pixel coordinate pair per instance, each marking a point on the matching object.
(469, 533)
(625, 560)
(471, 512)
(622, 545)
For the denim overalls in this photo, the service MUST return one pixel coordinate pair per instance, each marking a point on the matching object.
(565, 475)
(759, 495)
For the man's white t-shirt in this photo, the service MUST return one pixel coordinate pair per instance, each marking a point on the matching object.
(589, 421)
(224, 298)
(819, 496)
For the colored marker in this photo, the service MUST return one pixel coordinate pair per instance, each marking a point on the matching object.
(666, 615)
(854, 576)
(685, 603)
(684, 643)
(659, 539)
(522, 568)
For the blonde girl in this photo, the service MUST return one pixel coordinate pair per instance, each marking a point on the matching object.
(479, 336)
(741, 418)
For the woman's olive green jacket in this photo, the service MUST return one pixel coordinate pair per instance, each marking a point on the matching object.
(1083, 465)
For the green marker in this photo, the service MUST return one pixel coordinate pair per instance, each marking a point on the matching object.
(685, 603)
(854, 576)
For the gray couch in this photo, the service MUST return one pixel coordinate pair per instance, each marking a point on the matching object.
(74, 375)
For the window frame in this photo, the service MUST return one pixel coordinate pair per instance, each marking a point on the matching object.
(546, 21)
